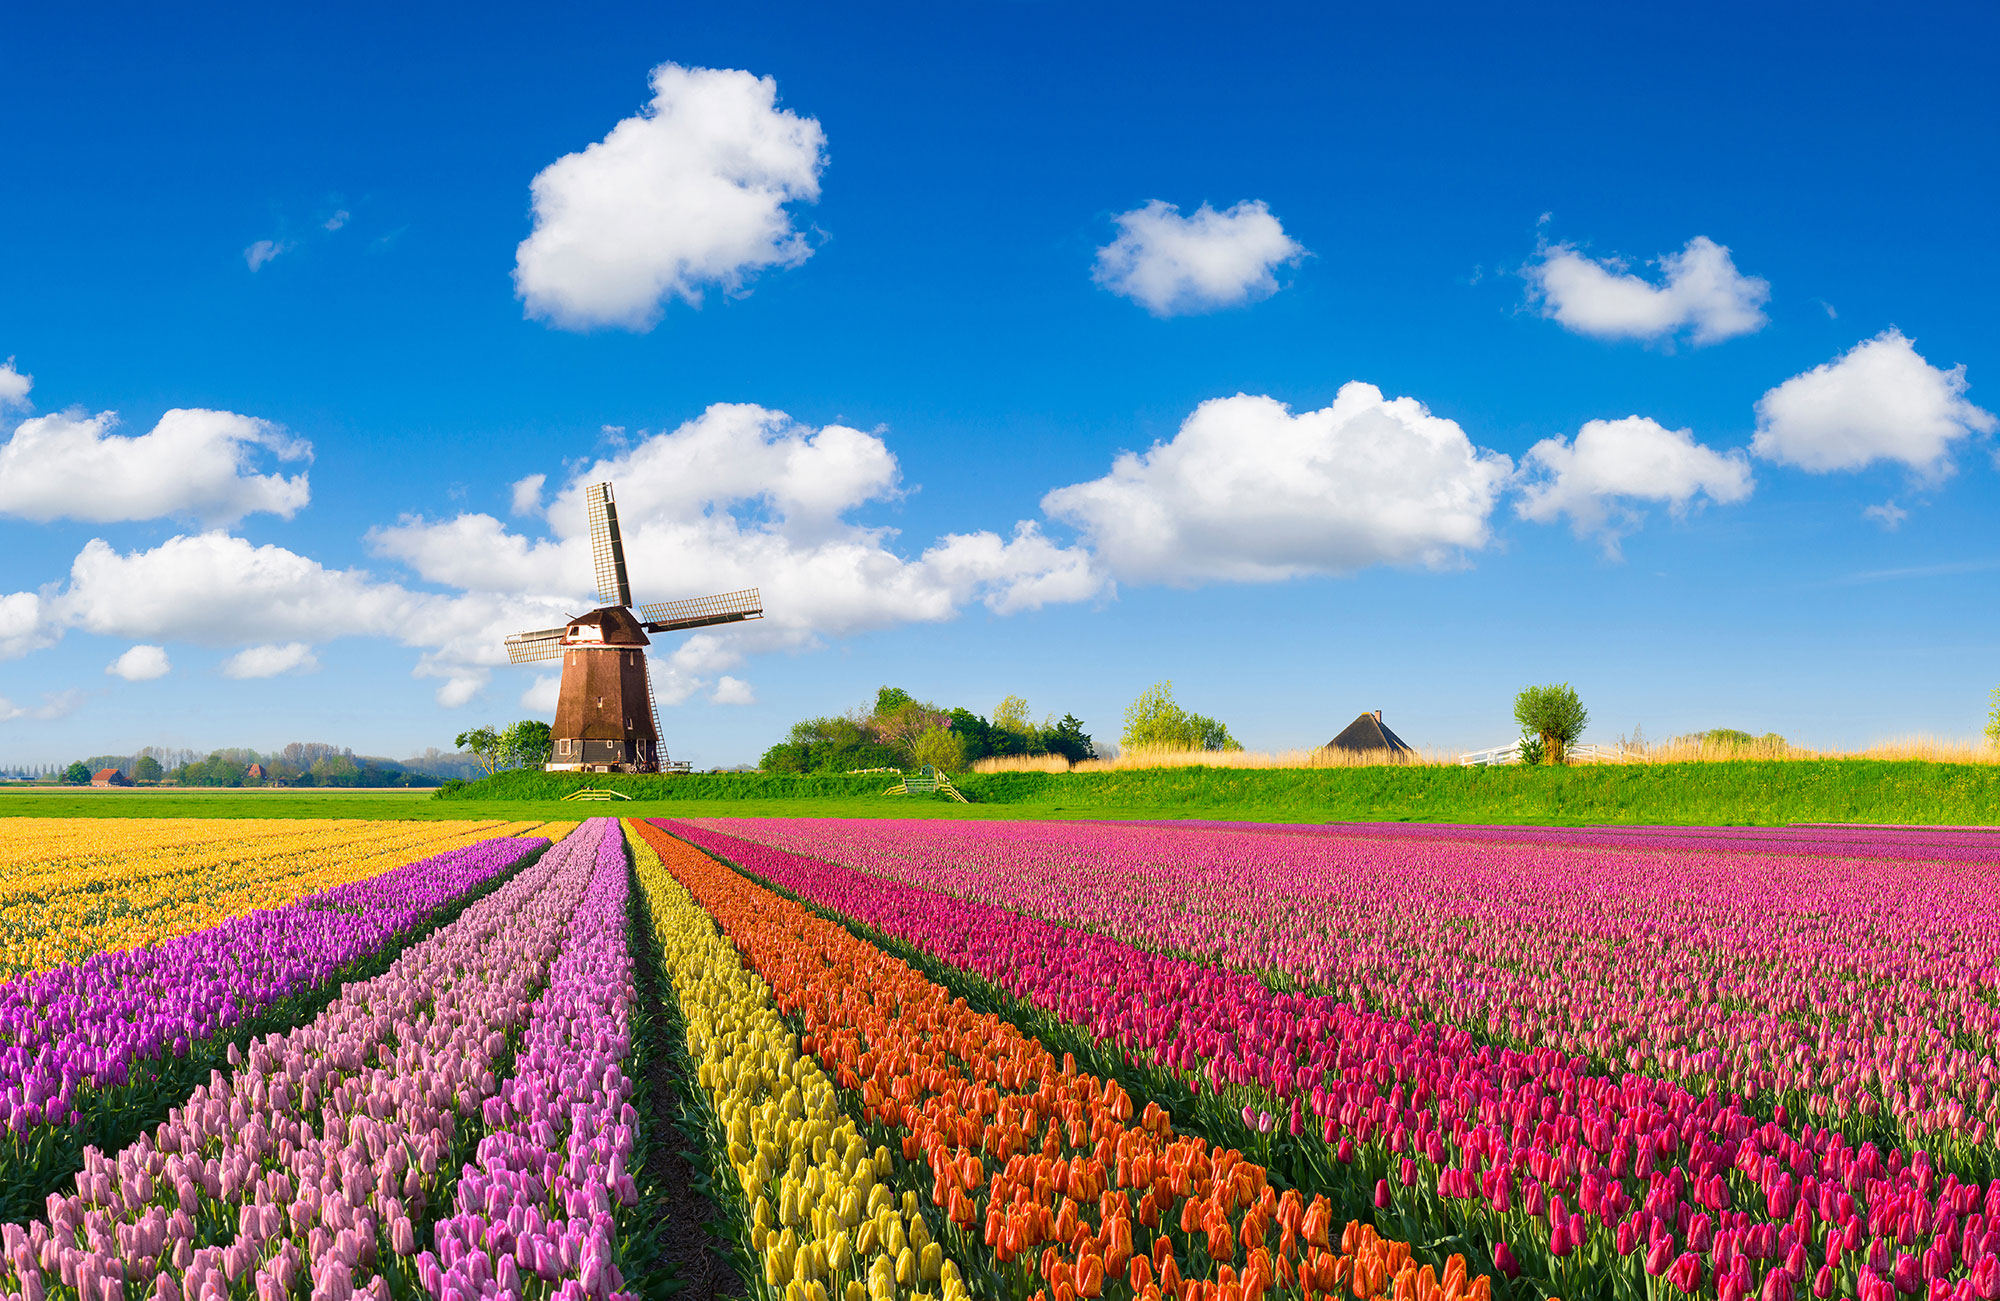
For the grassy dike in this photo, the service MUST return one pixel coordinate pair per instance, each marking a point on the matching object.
(1772, 792)
(1728, 793)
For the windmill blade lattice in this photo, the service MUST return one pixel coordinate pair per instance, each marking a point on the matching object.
(703, 611)
(607, 547)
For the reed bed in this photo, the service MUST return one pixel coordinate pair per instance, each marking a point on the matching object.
(1930, 749)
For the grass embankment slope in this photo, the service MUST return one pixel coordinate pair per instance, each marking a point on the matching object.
(1756, 793)
(1771, 792)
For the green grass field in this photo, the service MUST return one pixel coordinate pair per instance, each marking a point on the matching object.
(1756, 793)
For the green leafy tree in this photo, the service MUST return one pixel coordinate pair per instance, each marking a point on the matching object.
(147, 769)
(484, 745)
(1993, 717)
(336, 770)
(828, 745)
(941, 748)
(527, 744)
(77, 774)
(1155, 721)
(1553, 714)
(975, 732)
(906, 723)
(888, 700)
(1011, 715)
(1068, 739)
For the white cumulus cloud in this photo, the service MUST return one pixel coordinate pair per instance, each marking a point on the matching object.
(1249, 491)
(732, 691)
(1879, 401)
(14, 385)
(528, 494)
(1700, 291)
(691, 192)
(271, 660)
(1612, 464)
(25, 624)
(1173, 265)
(215, 589)
(140, 664)
(193, 462)
(542, 693)
(458, 690)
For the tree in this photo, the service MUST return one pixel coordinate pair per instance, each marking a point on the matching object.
(527, 744)
(1554, 715)
(1993, 717)
(484, 743)
(907, 722)
(975, 732)
(1155, 721)
(77, 774)
(1011, 715)
(941, 748)
(1069, 740)
(335, 770)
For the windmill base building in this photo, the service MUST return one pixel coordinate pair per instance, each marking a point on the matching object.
(605, 716)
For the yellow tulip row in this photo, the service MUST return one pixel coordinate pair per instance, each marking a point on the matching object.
(139, 894)
(816, 1208)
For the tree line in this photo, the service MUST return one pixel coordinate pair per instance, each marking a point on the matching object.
(302, 763)
(899, 731)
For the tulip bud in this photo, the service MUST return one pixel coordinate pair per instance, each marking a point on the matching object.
(1503, 1260)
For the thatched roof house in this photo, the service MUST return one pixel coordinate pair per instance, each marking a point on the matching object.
(1369, 733)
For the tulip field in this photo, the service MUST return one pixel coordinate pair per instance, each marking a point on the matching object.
(997, 1061)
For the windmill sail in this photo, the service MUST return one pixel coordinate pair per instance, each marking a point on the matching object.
(528, 647)
(607, 547)
(703, 611)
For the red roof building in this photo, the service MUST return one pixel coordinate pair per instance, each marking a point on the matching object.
(256, 771)
(109, 777)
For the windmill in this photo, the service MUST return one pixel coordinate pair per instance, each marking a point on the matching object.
(605, 719)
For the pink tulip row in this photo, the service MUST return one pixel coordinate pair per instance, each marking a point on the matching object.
(1553, 1164)
(324, 1146)
(1947, 844)
(1861, 992)
(536, 1201)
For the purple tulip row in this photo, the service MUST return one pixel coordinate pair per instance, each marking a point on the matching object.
(536, 1202)
(1564, 1169)
(1863, 993)
(88, 1025)
(324, 1147)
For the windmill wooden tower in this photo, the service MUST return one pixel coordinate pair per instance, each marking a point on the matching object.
(605, 721)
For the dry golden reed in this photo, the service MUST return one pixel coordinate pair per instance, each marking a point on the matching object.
(1681, 750)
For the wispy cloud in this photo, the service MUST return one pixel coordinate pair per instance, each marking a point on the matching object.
(260, 253)
(1947, 570)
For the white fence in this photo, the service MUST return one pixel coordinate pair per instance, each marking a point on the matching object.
(1511, 753)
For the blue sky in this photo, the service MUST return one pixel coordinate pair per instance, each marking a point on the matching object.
(1511, 225)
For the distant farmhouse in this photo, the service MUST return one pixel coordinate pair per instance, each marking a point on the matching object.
(109, 777)
(1369, 733)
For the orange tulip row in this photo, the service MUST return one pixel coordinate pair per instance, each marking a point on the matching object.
(1074, 1189)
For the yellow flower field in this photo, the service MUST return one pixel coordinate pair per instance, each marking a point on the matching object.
(70, 887)
(821, 1215)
